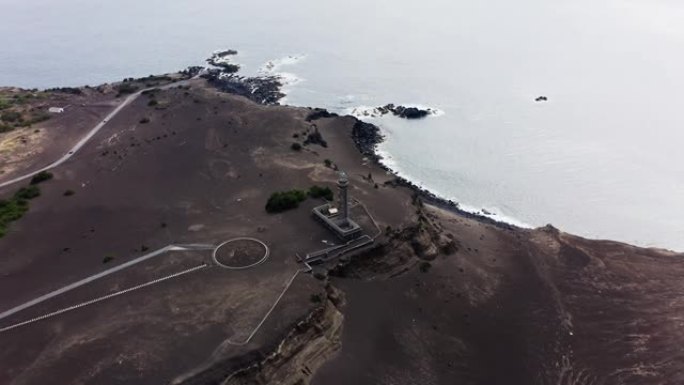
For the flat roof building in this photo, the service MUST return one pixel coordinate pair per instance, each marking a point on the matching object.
(337, 219)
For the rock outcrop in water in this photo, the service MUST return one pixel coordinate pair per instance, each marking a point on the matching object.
(221, 59)
(263, 90)
(398, 111)
(366, 136)
(320, 113)
(406, 112)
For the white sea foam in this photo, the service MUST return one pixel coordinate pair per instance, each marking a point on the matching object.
(492, 212)
(272, 67)
(366, 112)
(363, 112)
(288, 79)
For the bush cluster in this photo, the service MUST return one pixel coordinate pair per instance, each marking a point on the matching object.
(14, 208)
(41, 177)
(126, 88)
(321, 192)
(10, 116)
(27, 193)
(284, 200)
(315, 138)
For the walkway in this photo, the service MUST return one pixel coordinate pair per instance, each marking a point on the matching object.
(89, 135)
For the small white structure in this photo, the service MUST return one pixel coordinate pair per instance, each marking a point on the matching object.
(56, 110)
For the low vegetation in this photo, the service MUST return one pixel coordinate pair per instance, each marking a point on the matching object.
(285, 200)
(14, 208)
(10, 116)
(66, 90)
(41, 177)
(125, 89)
(321, 192)
(315, 138)
(16, 109)
(27, 193)
(296, 147)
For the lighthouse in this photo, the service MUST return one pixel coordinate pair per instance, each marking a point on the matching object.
(343, 184)
(339, 219)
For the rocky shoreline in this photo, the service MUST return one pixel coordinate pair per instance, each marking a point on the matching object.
(368, 136)
(267, 90)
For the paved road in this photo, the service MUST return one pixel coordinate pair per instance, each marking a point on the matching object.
(90, 134)
(102, 298)
(105, 273)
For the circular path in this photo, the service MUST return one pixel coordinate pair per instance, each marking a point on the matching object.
(240, 253)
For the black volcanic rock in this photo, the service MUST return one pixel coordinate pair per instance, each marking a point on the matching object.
(320, 113)
(404, 112)
(410, 112)
(263, 90)
(366, 136)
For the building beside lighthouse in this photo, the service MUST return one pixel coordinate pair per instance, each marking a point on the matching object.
(337, 218)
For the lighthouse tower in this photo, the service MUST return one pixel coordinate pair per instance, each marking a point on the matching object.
(339, 220)
(343, 184)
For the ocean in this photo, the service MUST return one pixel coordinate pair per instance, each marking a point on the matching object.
(600, 158)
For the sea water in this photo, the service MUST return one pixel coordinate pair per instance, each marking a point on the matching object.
(601, 157)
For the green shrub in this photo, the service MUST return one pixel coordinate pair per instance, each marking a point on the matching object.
(10, 116)
(11, 210)
(14, 208)
(425, 267)
(327, 162)
(152, 103)
(126, 88)
(296, 146)
(41, 177)
(284, 200)
(321, 192)
(35, 119)
(107, 259)
(27, 193)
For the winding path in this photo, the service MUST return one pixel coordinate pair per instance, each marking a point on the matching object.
(90, 134)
